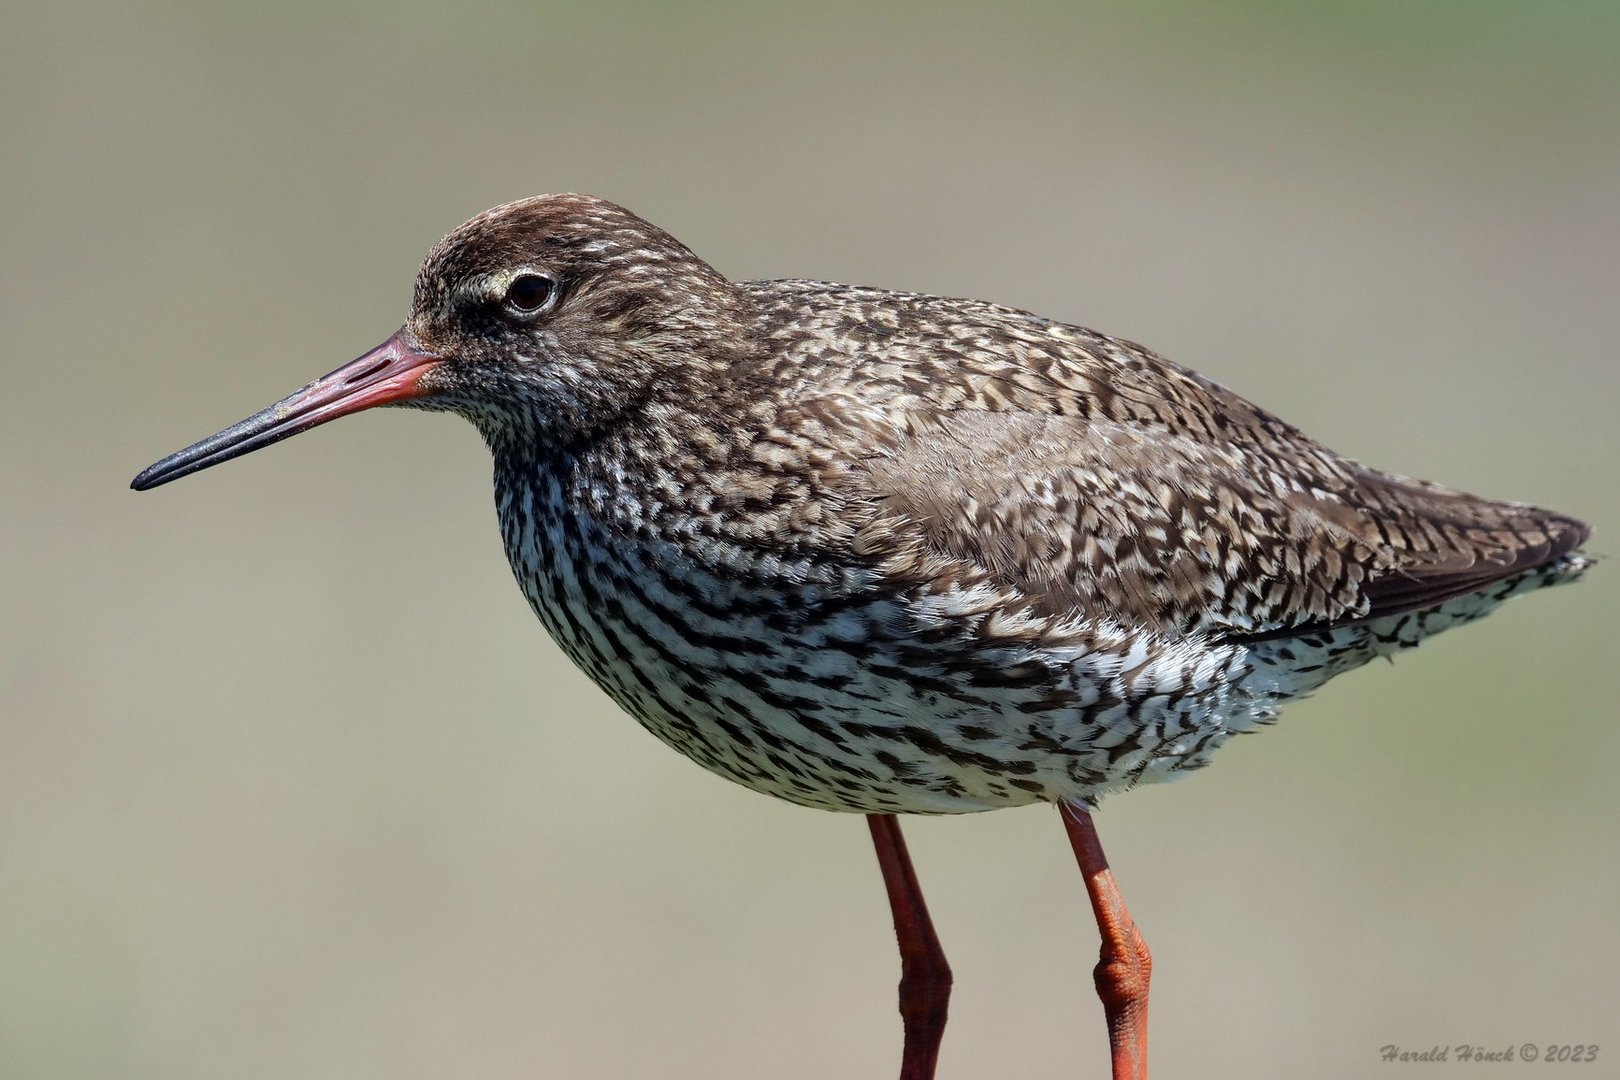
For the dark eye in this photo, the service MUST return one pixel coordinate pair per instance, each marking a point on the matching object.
(530, 293)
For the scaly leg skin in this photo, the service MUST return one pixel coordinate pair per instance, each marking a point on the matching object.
(925, 977)
(1124, 968)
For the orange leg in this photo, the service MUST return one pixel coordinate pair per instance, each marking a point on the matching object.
(1125, 965)
(925, 977)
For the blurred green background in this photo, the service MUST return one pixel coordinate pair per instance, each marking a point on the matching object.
(293, 785)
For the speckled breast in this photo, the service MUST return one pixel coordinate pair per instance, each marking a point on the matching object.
(813, 684)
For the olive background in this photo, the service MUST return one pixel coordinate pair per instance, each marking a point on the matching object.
(293, 785)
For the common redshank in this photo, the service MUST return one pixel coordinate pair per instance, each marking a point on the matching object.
(888, 553)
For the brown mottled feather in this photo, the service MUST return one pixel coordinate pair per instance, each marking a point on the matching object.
(882, 552)
(1089, 475)
(951, 440)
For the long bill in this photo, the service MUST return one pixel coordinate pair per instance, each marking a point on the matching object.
(391, 372)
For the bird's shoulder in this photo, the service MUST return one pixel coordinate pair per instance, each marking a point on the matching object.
(960, 444)
(898, 351)
(985, 445)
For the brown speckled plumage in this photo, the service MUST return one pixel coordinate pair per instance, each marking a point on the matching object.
(880, 551)
(884, 552)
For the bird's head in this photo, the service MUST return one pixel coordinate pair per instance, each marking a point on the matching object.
(543, 321)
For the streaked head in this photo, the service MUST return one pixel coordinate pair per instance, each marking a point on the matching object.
(543, 319)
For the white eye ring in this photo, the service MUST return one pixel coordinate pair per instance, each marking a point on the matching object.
(530, 294)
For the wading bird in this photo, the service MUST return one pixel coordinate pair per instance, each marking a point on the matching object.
(886, 553)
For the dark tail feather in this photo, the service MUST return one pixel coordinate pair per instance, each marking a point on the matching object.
(1448, 546)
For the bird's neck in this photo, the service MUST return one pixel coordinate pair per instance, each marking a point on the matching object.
(617, 394)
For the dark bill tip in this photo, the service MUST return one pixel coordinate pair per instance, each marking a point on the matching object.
(389, 373)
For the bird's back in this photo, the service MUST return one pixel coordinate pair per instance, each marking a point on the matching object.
(1089, 476)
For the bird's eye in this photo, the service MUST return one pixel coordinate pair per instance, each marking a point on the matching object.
(530, 294)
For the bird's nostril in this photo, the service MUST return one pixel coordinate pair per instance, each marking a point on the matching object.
(361, 376)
